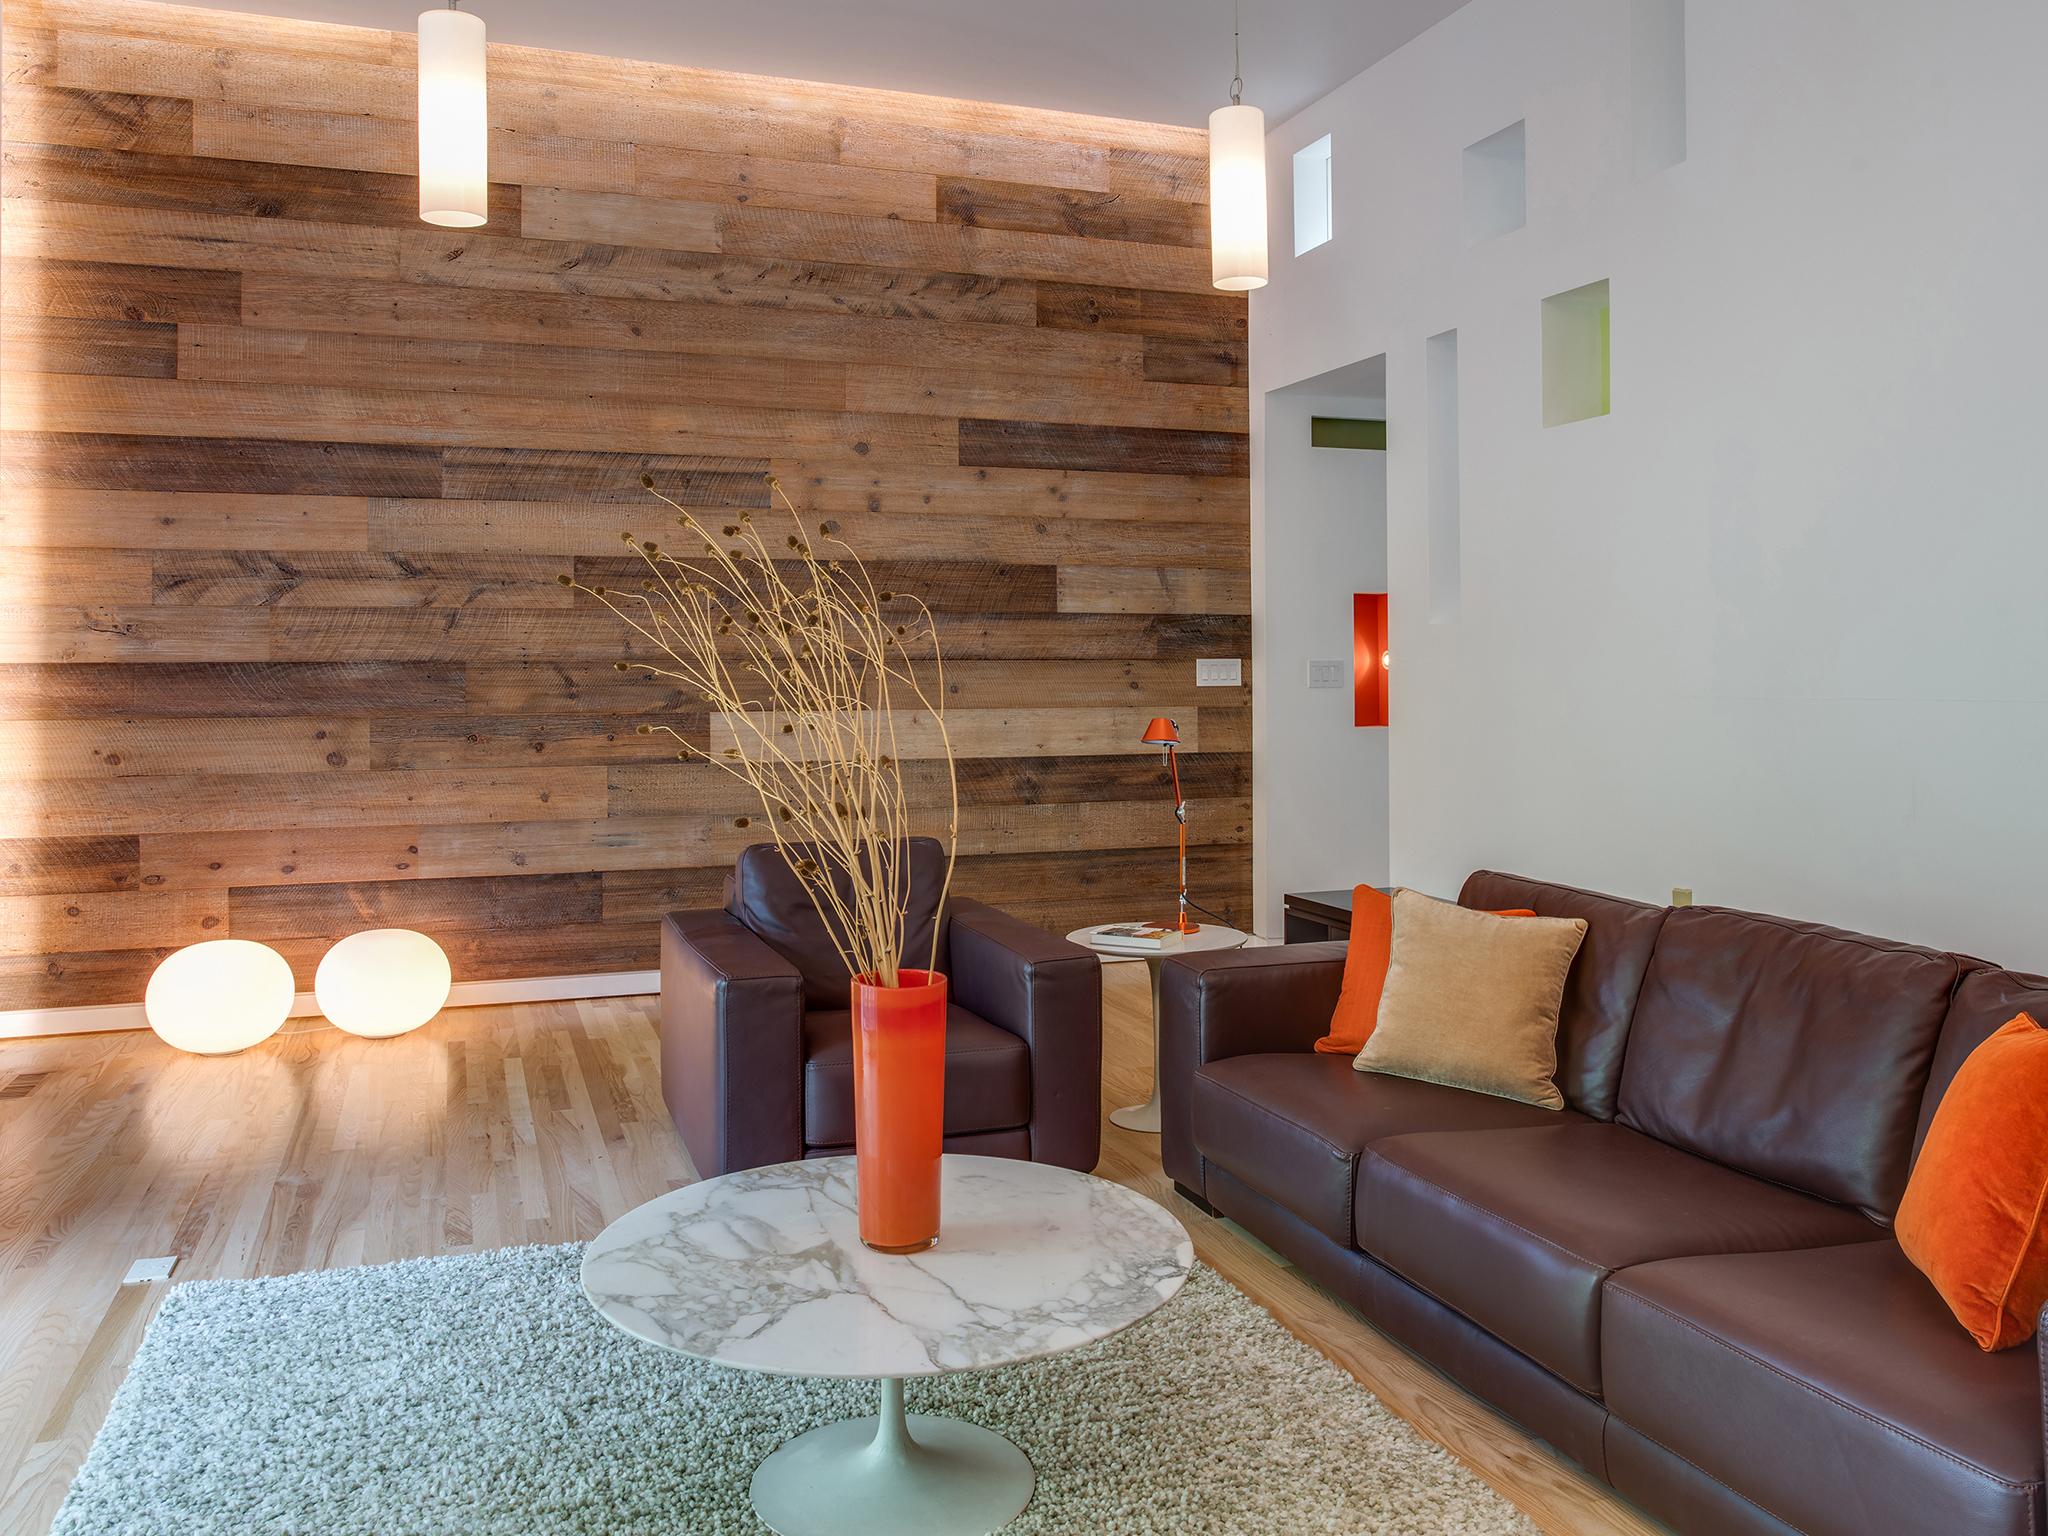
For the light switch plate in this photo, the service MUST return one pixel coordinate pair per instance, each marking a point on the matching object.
(150, 1271)
(1326, 674)
(1219, 672)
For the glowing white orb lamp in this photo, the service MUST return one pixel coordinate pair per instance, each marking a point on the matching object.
(382, 982)
(220, 996)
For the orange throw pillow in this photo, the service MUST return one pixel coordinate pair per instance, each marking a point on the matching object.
(1365, 970)
(1973, 1217)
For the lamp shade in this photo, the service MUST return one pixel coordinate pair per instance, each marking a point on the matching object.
(220, 996)
(455, 121)
(1162, 732)
(382, 982)
(1237, 198)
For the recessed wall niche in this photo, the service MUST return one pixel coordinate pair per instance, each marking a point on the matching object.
(1576, 383)
(1656, 42)
(1440, 382)
(1496, 184)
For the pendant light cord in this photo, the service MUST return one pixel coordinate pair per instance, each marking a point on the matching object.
(1236, 53)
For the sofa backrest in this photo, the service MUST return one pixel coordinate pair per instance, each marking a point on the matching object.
(1986, 999)
(1789, 1050)
(1600, 993)
(766, 895)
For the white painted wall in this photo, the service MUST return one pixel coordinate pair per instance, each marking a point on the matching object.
(1319, 781)
(1775, 628)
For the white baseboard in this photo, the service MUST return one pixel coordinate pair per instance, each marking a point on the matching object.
(36, 1023)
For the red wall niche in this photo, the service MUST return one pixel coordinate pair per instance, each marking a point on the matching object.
(1369, 657)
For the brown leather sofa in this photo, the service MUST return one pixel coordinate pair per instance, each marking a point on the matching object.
(1685, 1281)
(757, 1039)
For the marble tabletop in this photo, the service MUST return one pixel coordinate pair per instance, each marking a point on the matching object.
(764, 1269)
(1208, 936)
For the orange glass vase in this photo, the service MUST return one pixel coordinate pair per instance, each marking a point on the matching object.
(899, 1107)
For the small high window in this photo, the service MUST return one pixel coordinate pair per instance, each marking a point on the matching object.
(1312, 196)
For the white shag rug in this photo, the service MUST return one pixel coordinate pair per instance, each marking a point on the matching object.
(482, 1395)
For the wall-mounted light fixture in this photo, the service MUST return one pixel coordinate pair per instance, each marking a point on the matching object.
(1237, 187)
(455, 120)
(1370, 658)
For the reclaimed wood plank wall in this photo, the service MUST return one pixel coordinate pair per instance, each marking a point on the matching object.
(288, 476)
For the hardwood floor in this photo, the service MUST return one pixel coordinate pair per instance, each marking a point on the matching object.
(531, 1124)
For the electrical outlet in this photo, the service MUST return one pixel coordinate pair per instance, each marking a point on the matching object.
(1326, 674)
(1219, 672)
(150, 1271)
(1681, 895)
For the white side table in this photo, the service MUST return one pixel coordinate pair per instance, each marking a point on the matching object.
(764, 1270)
(1145, 1116)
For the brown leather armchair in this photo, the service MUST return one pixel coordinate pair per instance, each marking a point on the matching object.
(756, 1032)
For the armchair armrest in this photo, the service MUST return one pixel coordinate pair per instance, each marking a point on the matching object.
(731, 1043)
(1237, 1002)
(1048, 993)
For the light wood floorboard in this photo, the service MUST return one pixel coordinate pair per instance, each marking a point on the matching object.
(490, 1126)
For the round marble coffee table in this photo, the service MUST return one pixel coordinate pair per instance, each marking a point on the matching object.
(765, 1270)
(1145, 1116)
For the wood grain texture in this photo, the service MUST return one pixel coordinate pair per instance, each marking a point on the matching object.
(286, 477)
(487, 1127)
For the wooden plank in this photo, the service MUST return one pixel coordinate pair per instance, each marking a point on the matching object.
(54, 980)
(235, 465)
(1105, 215)
(186, 861)
(172, 66)
(38, 114)
(223, 690)
(430, 419)
(1139, 450)
(760, 182)
(550, 474)
(247, 188)
(101, 920)
(503, 741)
(404, 309)
(1004, 393)
(614, 218)
(64, 866)
(252, 578)
(1153, 589)
(1005, 733)
(33, 576)
(473, 634)
(1093, 636)
(1178, 500)
(1173, 360)
(125, 748)
(235, 354)
(105, 290)
(312, 911)
(696, 839)
(47, 344)
(597, 269)
(944, 586)
(551, 687)
(1070, 890)
(98, 632)
(648, 895)
(255, 802)
(93, 519)
(1159, 686)
(1216, 317)
(225, 241)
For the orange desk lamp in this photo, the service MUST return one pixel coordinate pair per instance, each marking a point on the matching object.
(1165, 735)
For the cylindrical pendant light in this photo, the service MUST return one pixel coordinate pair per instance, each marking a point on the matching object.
(455, 120)
(1237, 197)
(1237, 185)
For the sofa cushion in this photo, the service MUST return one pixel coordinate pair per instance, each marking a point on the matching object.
(1832, 1387)
(1985, 1001)
(1600, 993)
(1519, 1229)
(1794, 1052)
(766, 895)
(1291, 1126)
(988, 1076)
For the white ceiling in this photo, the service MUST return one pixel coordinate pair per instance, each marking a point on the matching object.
(1157, 60)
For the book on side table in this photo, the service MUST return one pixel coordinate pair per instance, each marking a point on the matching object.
(1141, 938)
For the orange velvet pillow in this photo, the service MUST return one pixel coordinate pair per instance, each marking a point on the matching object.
(1365, 970)
(1973, 1217)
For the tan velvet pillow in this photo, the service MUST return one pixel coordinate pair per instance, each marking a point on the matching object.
(1471, 999)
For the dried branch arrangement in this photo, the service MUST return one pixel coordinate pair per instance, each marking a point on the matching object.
(803, 662)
